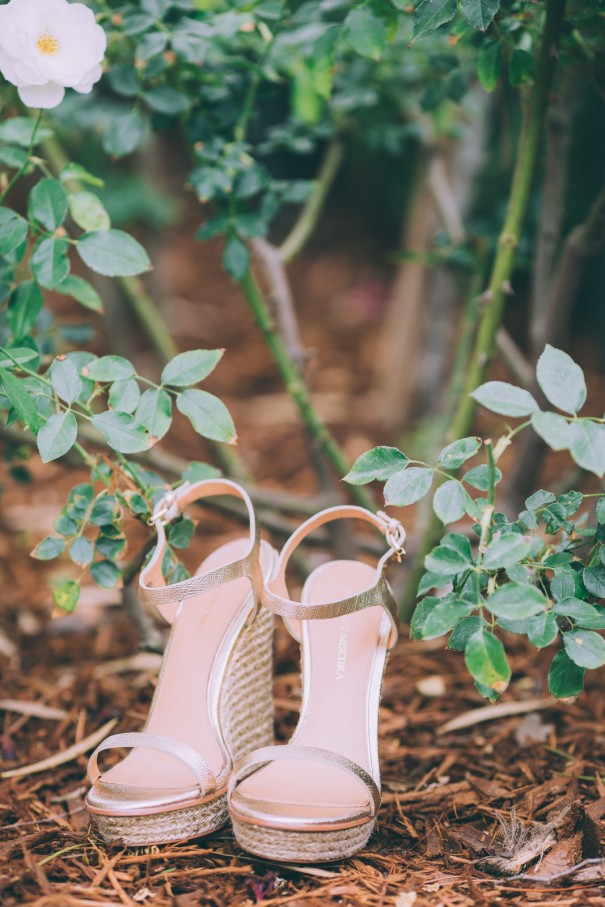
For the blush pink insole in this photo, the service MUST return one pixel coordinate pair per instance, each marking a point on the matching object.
(343, 656)
(180, 707)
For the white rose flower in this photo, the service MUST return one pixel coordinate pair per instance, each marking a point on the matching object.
(47, 46)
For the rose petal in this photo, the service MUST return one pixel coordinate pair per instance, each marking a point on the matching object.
(46, 96)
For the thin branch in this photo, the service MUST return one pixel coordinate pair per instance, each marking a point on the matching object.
(296, 388)
(493, 300)
(281, 297)
(307, 220)
(514, 358)
(583, 242)
(445, 198)
(495, 296)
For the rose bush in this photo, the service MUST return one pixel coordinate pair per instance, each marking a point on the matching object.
(47, 46)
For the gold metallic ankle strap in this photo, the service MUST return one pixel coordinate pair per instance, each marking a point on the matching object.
(275, 595)
(152, 585)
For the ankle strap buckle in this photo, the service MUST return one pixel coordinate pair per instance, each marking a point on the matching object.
(167, 508)
(394, 533)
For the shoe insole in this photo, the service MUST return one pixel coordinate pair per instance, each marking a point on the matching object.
(180, 705)
(343, 659)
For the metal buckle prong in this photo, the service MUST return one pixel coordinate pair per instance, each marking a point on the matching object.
(394, 533)
(166, 504)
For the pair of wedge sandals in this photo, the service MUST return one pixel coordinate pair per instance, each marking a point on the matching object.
(206, 753)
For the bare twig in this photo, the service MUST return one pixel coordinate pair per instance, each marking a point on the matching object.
(66, 755)
(514, 358)
(280, 294)
(307, 220)
(493, 712)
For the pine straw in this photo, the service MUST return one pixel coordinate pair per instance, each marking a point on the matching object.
(445, 795)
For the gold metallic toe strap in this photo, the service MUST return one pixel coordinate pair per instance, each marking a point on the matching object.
(152, 585)
(186, 754)
(253, 763)
(275, 593)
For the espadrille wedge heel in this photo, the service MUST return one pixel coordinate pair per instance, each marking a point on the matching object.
(213, 702)
(316, 799)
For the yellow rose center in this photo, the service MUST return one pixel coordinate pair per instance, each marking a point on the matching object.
(48, 45)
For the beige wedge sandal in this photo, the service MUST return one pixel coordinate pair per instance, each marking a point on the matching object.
(316, 799)
(213, 702)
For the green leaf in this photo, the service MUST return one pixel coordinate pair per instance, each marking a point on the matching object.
(446, 561)
(180, 533)
(48, 204)
(106, 574)
(565, 679)
(486, 660)
(111, 547)
(430, 14)
(463, 631)
(65, 379)
(479, 13)
(167, 100)
(365, 32)
(105, 510)
(600, 511)
(196, 472)
(13, 231)
(208, 415)
(15, 390)
(444, 616)
(20, 131)
(505, 399)
(191, 367)
(408, 486)
(508, 549)
(124, 395)
(125, 133)
(379, 463)
(522, 67)
(236, 257)
(543, 630)
(488, 64)
(110, 368)
(585, 615)
(552, 428)
(594, 580)
(66, 595)
(122, 432)
(82, 291)
(155, 412)
(57, 436)
(113, 253)
(585, 648)
(82, 551)
(458, 452)
(480, 477)
(561, 380)
(24, 308)
(49, 262)
(77, 173)
(448, 502)
(422, 610)
(562, 586)
(49, 548)
(587, 445)
(88, 211)
(515, 601)
(539, 499)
